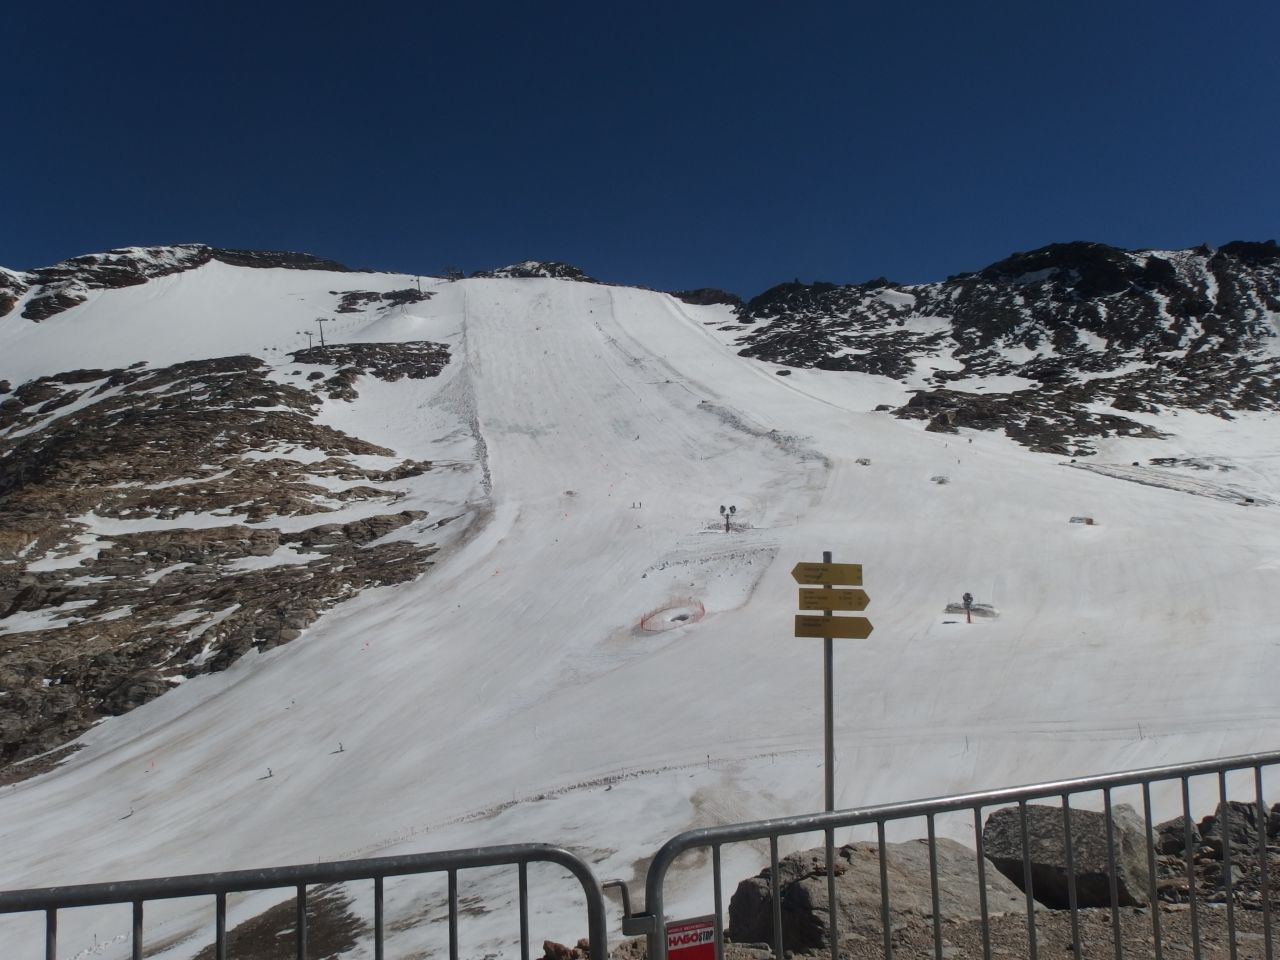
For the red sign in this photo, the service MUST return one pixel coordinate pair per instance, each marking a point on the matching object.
(693, 939)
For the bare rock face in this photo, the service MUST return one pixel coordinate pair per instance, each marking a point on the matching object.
(707, 296)
(95, 624)
(802, 879)
(1171, 836)
(1085, 325)
(12, 286)
(529, 269)
(386, 361)
(63, 285)
(1245, 823)
(1002, 841)
(358, 301)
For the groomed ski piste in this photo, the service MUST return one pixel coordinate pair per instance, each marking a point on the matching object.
(512, 694)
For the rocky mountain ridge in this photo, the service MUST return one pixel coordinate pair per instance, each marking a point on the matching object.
(65, 284)
(1075, 336)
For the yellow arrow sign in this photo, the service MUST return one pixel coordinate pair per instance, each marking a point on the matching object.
(844, 628)
(847, 574)
(833, 599)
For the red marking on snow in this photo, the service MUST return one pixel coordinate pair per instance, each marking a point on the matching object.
(688, 609)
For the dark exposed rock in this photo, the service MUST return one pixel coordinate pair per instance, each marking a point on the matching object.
(386, 361)
(280, 259)
(1171, 836)
(707, 296)
(12, 286)
(136, 612)
(802, 879)
(1087, 325)
(1047, 850)
(529, 269)
(63, 285)
(355, 301)
(1050, 423)
(1244, 824)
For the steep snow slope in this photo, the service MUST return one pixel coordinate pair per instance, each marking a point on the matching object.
(516, 669)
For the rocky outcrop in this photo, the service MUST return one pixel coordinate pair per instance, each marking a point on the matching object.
(386, 361)
(1084, 325)
(802, 879)
(65, 284)
(357, 301)
(709, 296)
(528, 269)
(12, 286)
(94, 623)
(1245, 824)
(1171, 836)
(1047, 851)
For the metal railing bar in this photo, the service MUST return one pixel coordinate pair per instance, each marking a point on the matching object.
(775, 896)
(524, 909)
(1072, 894)
(300, 908)
(220, 927)
(980, 848)
(238, 881)
(137, 930)
(934, 899)
(51, 934)
(1191, 867)
(1151, 878)
(1224, 830)
(719, 903)
(135, 892)
(1112, 882)
(1027, 884)
(1262, 862)
(453, 914)
(1112, 878)
(378, 918)
(832, 925)
(886, 926)
(857, 816)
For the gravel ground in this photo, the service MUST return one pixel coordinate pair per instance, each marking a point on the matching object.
(962, 939)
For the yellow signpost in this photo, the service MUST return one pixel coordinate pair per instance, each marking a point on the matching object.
(816, 574)
(828, 575)
(842, 628)
(811, 599)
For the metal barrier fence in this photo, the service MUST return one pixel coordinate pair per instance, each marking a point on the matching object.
(136, 892)
(652, 922)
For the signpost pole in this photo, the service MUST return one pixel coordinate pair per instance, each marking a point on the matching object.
(828, 697)
(828, 701)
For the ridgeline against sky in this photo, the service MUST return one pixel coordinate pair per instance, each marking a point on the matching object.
(673, 145)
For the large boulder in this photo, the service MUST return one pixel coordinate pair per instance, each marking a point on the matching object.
(802, 879)
(1047, 848)
(1244, 823)
(1171, 836)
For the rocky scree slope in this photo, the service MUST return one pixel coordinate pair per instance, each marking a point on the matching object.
(143, 533)
(1094, 334)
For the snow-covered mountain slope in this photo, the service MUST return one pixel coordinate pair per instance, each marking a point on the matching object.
(589, 658)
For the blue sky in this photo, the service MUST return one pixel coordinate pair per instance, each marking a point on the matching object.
(672, 145)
